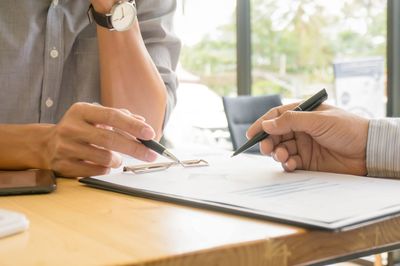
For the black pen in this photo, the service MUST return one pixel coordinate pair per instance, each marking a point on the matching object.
(160, 149)
(308, 105)
(152, 145)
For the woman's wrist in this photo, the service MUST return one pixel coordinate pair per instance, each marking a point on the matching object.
(38, 142)
(102, 6)
(24, 146)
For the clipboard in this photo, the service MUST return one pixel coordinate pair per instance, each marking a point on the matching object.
(235, 210)
(335, 202)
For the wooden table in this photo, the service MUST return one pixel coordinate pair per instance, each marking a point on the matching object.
(79, 225)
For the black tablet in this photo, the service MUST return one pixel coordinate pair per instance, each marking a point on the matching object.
(27, 182)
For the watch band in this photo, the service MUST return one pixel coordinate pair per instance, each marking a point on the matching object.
(103, 20)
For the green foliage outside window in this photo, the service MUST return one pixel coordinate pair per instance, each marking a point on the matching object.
(294, 43)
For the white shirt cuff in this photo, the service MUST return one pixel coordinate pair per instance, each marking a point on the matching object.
(383, 148)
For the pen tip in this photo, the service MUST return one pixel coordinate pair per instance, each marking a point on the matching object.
(168, 154)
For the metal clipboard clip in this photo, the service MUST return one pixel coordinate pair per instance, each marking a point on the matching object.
(154, 167)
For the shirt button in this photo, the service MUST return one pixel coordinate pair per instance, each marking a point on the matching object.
(55, 2)
(49, 102)
(54, 53)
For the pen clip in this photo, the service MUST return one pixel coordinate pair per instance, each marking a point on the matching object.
(154, 167)
(148, 168)
(194, 163)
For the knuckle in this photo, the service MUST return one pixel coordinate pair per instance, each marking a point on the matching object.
(100, 138)
(106, 139)
(274, 110)
(106, 158)
(272, 113)
(66, 130)
(134, 128)
(78, 106)
(53, 162)
(277, 111)
(286, 116)
(112, 139)
(110, 115)
(62, 148)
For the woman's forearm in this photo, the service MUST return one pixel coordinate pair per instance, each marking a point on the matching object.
(129, 78)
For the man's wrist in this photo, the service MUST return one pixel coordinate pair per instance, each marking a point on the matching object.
(382, 148)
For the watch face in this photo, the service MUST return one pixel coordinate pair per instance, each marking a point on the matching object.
(123, 16)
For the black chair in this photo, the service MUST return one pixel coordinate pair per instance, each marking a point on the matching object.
(242, 111)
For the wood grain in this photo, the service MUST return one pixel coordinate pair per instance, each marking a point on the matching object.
(79, 225)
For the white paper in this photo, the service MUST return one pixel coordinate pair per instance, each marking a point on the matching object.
(258, 184)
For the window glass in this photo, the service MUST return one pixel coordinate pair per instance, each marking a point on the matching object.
(208, 32)
(301, 46)
(206, 72)
(298, 48)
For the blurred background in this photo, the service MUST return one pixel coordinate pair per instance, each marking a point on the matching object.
(289, 47)
(293, 48)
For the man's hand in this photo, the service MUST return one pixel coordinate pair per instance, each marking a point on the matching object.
(328, 139)
(83, 142)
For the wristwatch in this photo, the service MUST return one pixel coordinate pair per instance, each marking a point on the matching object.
(120, 18)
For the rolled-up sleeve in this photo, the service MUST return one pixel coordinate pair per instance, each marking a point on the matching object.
(383, 148)
(156, 25)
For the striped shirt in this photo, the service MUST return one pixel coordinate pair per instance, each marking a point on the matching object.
(383, 148)
(49, 56)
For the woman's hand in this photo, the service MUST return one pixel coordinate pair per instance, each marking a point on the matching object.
(86, 140)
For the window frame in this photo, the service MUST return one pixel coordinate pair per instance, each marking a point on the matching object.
(393, 58)
(243, 47)
(244, 54)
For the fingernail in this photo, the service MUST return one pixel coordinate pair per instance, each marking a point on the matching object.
(147, 133)
(116, 160)
(150, 156)
(267, 124)
(273, 154)
(139, 117)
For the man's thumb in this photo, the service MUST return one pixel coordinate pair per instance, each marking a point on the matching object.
(290, 121)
